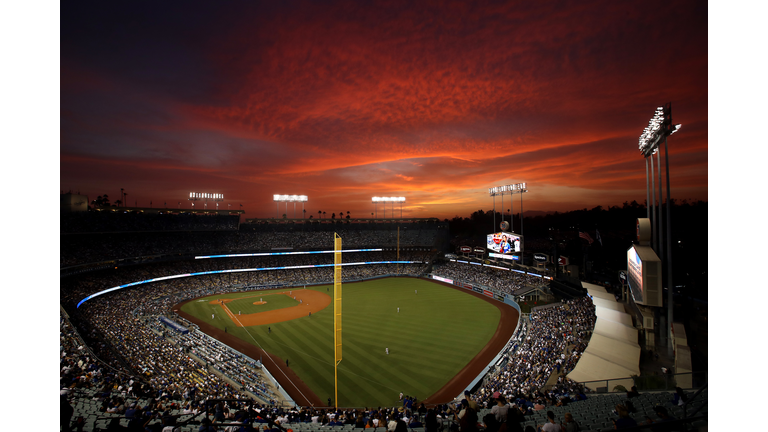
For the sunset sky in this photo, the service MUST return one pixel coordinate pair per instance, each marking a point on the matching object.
(342, 101)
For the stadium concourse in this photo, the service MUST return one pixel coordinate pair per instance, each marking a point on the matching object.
(121, 369)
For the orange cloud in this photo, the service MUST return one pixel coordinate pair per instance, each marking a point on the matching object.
(435, 101)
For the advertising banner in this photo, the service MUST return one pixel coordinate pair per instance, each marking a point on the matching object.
(442, 279)
(540, 257)
(635, 270)
(502, 256)
(488, 293)
(476, 289)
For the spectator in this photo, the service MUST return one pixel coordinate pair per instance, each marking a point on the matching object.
(500, 409)
(663, 417)
(206, 426)
(515, 417)
(631, 393)
(550, 425)
(431, 424)
(468, 418)
(624, 421)
(680, 398)
(569, 424)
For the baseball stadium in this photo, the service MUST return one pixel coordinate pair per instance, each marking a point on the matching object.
(188, 321)
(397, 216)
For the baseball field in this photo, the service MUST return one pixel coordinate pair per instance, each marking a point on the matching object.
(398, 334)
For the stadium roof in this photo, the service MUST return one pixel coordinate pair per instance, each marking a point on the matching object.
(613, 352)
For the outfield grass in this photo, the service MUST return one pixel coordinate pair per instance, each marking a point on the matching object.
(435, 334)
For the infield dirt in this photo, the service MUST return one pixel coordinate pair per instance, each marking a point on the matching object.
(311, 302)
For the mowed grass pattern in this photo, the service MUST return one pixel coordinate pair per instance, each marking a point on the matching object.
(435, 334)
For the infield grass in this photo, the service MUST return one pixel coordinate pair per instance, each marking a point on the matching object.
(435, 334)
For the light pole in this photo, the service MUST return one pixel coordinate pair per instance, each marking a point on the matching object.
(290, 198)
(517, 188)
(393, 200)
(205, 196)
(658, 129)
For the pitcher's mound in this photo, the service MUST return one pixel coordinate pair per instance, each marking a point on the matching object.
(259, 302)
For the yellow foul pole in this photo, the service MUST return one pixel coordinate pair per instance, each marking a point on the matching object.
(336, 313)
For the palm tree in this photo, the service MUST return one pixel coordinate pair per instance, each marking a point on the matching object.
(323, 213)
(347, 214)
(333, 215)
(320, 213)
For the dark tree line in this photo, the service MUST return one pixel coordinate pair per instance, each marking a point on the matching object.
(617, 227)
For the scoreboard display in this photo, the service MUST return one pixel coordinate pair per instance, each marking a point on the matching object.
(644, 276)
(505, 243)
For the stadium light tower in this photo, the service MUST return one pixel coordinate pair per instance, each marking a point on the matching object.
(290, 198)
(517, 188)
(658, 129)
(393, 200)
(205, 196)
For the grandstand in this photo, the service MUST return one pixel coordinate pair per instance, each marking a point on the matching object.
(128, 351)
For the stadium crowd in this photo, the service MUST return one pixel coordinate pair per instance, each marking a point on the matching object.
(502, 280)
(122, 221)
(77, 249)
(553, 342)
(189, 366)
(75, 289)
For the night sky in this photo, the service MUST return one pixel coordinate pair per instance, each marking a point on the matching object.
(342, 101)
